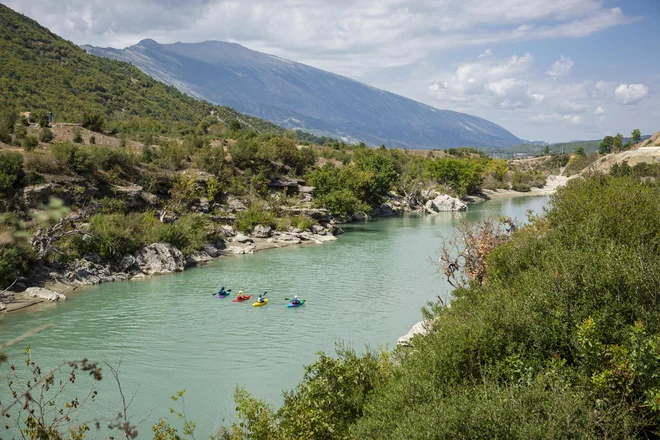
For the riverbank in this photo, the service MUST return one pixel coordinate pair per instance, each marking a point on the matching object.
(88, 274)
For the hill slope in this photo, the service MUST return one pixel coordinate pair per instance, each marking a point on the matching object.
(43, 71)
(300, 96)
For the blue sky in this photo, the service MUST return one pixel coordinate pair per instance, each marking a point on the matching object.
(551, 70)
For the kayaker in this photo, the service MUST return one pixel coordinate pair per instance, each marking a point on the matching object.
(260, 299)
(222, 291)
(295, 300)
(240, 295)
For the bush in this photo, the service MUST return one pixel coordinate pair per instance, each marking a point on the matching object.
(46, 135)
(77, 136)
(93, 121)
(523, 181)
(12, 176)
(15, 261)
(188, 233)
(115, 235)
(253, 216)
(30, 142)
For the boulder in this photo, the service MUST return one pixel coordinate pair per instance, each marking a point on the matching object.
(320, 230)
(37, 195)
(421, 328)
(261, 231)
(131, 194)
(235, 204)
(445, 203)
(358, 217)
(211, 250)
(241, 250)
(287, 238)
(149, 198)
(227, 231)
(324, 238)
(197, 258)
(201, 205)
(126, 263)
(45, 294)
(384, 210)
(242, 238)
(3, 306)
(160, 258)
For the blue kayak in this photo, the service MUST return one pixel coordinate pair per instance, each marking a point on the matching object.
(302, 302)
(223, 296)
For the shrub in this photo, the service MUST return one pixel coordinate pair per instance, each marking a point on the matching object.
(253, 216)
(42, 162)
(112, 205)
(92, 140)
(12, 176)
(30, 143)
(115, 235)
(188, 233)
(46, 135)
(93, 121)
(77, 136)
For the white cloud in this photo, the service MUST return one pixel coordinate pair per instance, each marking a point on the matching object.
(600, 110)
(486, 53)
(536, 97)
(502, 88)
(631, 93)
(509, 104)
(561, 67)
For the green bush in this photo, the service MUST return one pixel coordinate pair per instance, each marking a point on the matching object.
(30, 142)
(93, 121)
(253, 216)
(188, 233)
(523, 181)
(77, 136)
(46, 135)
(12, 176)
(115, 235)
(15, 261)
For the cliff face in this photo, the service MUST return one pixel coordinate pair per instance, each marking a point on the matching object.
(298, 96)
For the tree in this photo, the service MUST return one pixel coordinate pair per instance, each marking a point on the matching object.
(12, 176)
(235, 125)
(636, 136)
(605, 146)
(546, 150)
(93, 121)
(617, 143)
(580, 152)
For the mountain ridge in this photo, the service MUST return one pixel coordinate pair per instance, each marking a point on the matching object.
(298, 96)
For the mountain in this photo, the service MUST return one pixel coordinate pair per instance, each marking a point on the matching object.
(41, 71)
(298, 96)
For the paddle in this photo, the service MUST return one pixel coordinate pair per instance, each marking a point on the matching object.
(218, 293)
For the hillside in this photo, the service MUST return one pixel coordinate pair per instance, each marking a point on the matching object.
(298, 96)
(43, 71)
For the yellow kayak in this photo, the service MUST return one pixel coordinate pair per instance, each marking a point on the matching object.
(258, 304)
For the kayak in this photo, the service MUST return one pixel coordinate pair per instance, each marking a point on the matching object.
(222, 296)
(302, 302)
(258, 304)
(238, 300)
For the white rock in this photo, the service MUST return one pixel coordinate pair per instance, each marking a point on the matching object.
(445, 203)
(241, 250)
(3, 307)
(261, 231)
(160, 258)
(242, 238)
(421, 328)
(48, 295)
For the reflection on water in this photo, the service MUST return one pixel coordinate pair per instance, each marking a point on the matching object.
(367, 288)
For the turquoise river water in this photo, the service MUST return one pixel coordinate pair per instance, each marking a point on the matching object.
(366, 289)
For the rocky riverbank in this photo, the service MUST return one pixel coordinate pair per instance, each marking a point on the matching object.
(53, 282)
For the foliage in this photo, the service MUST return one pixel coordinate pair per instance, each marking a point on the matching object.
(464, 176)
(46, 135)
(580, 162)
(606, 144)
(12, 176)
(523, 181)
(636, 136)
(255, 215)
(15, 260)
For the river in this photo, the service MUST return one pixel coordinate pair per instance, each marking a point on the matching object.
(366, 289)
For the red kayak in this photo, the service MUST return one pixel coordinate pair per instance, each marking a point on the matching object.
(245, 298)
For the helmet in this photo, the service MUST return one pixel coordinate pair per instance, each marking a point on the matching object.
(296, 296)
(240, 291)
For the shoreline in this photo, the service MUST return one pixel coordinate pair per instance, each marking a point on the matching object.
(21, 301)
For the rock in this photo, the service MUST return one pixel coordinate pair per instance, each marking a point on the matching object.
(227, 231)
(241, 250)
(321, 215)
(287, 238)
(261, 231)
(324, 238)
(48, 295)
(318, 229)
(306, 189)
(242, 238)
(444, 203)
(358, 217)
(219, 244)
(131, 194)
(149, 198)
(421, 328)
(201, 205)
(384, 210)
(235, 205)
(126, 263)
(160, 258)
(139, 276)
(3, 307)
(37, 195)
(211, 250)
(197, 258)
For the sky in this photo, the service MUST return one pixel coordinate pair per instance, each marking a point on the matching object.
(551, 70)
